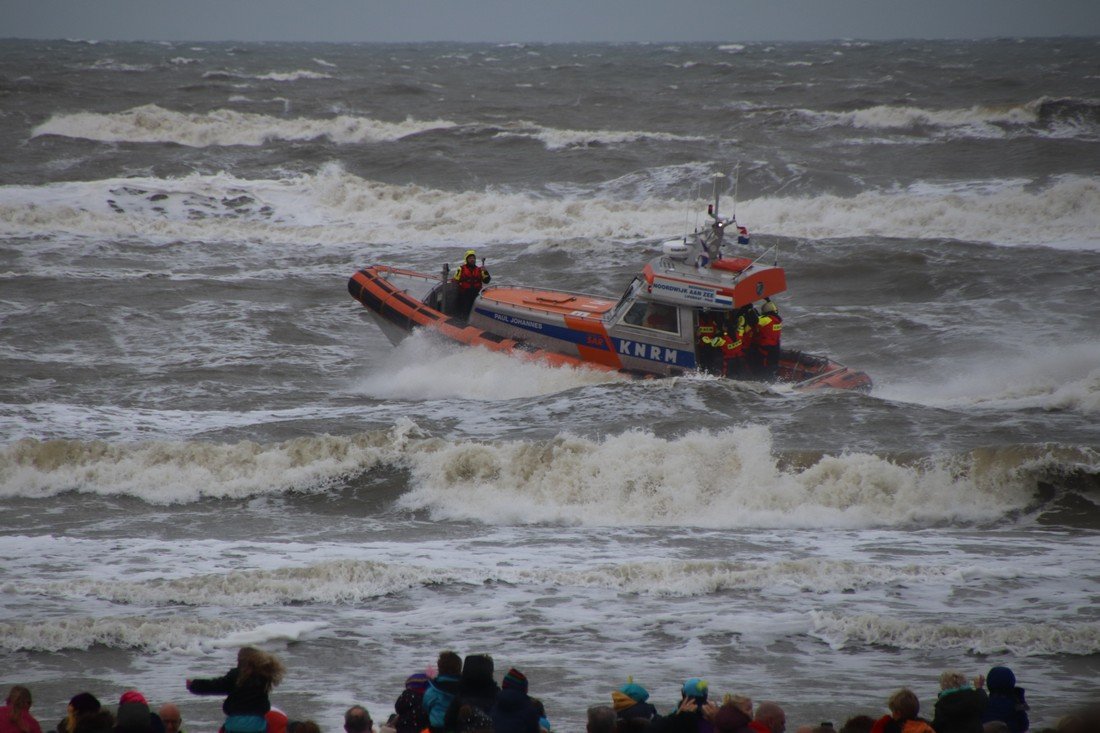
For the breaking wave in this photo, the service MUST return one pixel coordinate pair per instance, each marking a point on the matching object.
(333, 206)
(353, 581)
(1067, 117)
(129, 632)
(557, 139)
(1023, 639)
(143, 633)
(726, 479)
(151, 123)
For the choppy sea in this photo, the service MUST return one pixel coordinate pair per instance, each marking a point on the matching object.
(205, 443)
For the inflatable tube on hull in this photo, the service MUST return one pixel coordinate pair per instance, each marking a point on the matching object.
(372, 288)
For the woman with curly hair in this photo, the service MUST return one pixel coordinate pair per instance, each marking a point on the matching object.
(246, 688)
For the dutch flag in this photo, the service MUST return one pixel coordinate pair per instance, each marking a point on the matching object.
(742, 235)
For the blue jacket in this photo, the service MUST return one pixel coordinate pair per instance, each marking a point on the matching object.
(437, 698)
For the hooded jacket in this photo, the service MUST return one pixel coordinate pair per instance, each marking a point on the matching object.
(514, 712)
(438, 697)
(1006, 700)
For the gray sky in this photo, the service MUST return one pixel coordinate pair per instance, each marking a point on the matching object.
(543, 20)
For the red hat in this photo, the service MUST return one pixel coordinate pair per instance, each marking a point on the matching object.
(132, 696)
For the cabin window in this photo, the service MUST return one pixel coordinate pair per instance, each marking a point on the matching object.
(658, 316)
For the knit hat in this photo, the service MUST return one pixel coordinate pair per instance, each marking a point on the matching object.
(132, 696)
(418, 683)
(514, 680)
(85, 702)
(634, 691)
(695, 687)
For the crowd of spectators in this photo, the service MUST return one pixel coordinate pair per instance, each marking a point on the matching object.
(463, 696)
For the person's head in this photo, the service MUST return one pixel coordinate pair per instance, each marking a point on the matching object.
(694, 688)
(81, 706)
(952, 680)
(632, 690)
(995, 726)
(471, 257)
(132, 696)
(357, 720)
(771, 715)
(449, 663)
(478, 668)
(514, 680)
(741, 702)
(904, 704)
(253, 662)
(171, 717)
(307, 726)
(769, 308)
(601, 719)
(730, 718)
(1000, 679)
(19, 698)
(417, 683)
(133, 714)
(858, 724)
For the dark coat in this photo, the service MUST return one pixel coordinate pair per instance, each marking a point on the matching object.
(514, 712)
(411, 717)
(98, 722)
(1009, 706)
(248, 697)
(731, 719)
(685, 722)
(960, 711)
(638, 710)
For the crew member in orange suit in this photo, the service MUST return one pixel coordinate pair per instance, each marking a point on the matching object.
(469, 279)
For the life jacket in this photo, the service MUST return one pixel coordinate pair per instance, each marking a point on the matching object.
(732, 345)
(470, 278)
(706, 330)
(768, 330)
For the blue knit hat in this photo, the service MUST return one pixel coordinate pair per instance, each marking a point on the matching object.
(634, 691)
(695, 687)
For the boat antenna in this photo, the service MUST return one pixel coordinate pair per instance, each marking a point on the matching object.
(714, 209)
(736, 184)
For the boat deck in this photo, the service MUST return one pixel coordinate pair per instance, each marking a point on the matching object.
(549, 301)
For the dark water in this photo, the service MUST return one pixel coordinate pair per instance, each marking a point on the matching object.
(205, 443)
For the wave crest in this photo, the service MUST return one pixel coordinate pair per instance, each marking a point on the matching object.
(151, 123)
(1031, 639)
